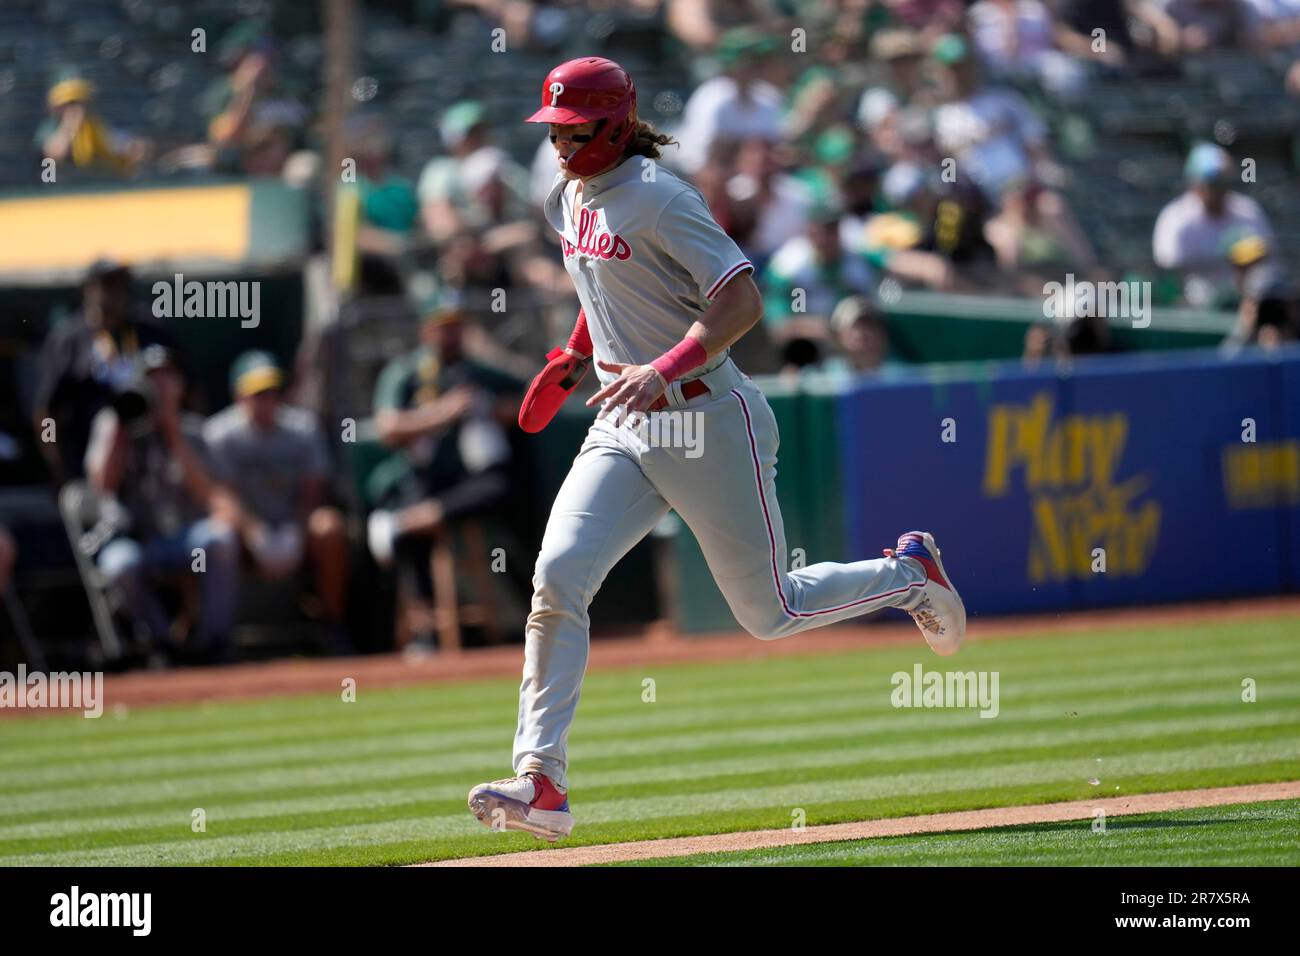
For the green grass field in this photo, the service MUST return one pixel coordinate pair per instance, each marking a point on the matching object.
(724, 747)
(1249, 834)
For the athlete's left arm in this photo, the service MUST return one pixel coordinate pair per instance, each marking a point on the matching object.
(735, 309)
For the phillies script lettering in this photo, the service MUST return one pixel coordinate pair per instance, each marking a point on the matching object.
(595, 239)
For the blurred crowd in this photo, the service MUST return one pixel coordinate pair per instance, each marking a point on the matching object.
(903, 153)
(908, 150)
(246, 493)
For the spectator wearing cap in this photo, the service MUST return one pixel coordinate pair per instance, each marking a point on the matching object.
(76, 137)
(271, 467)
(85, 361)
(863, 339)
(448, 412)
(736, 105)
(1269, 312)
(254, 127)
(1193, 230)
(450, 187)
(250, 95)
(149, 456)
(857, 345)
(991, 131)
(903, 53)
(881, 109)
(810, 272)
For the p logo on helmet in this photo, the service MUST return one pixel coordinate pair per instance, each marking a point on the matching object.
(585, 90)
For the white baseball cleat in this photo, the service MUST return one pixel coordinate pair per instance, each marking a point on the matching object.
(940, 613)
(531, 803)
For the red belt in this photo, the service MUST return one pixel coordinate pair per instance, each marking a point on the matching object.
(692, 389)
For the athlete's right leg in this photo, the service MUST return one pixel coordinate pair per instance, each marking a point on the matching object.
(727, 497)
(605, 506)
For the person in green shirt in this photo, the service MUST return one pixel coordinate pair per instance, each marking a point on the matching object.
(448, 414)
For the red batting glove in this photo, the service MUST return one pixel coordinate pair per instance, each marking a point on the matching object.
(550, 388)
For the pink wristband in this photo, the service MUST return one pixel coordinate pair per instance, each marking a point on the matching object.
(680, 359)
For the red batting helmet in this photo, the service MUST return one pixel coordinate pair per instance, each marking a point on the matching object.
(586, 89)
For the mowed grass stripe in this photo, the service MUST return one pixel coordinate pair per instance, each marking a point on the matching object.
(611, 774)
(715, 773)
(800, 713)
(833, 781)
(40, 768)
(898, 728)
(303, 838)
(808, 723)
(1247, 834)
(156, 729)
(633, 714)
(464, 703)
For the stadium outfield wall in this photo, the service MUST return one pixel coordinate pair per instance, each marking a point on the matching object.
(1123, 481)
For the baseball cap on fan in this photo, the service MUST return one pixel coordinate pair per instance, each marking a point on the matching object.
(744, 44)
(1207, 163)
(447, 306)
(255, 372)
(459, 120)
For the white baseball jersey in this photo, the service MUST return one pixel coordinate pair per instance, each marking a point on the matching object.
(646, 258)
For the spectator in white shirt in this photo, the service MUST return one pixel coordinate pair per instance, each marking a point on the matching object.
(1192, 231)
(449, 203)
(736, 105)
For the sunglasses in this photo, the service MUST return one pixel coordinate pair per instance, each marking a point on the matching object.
(577, 138)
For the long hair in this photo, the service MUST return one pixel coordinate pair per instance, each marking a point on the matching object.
(647, 140)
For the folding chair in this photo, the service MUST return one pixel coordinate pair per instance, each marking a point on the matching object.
(83, 520)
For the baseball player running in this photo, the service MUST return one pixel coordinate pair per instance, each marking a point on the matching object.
(664, 293)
